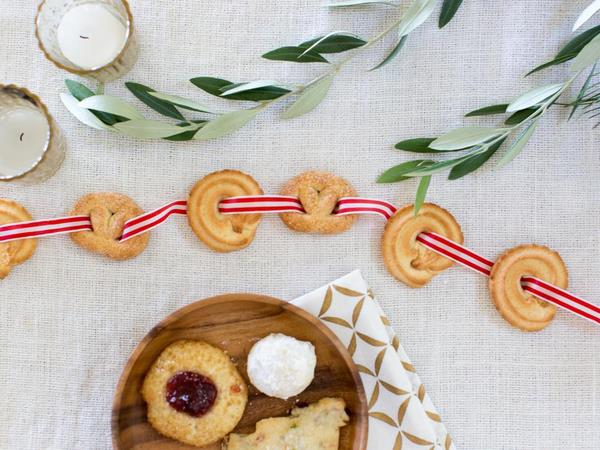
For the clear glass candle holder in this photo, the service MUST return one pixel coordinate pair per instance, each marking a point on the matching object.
(90, 38)
(32, 147)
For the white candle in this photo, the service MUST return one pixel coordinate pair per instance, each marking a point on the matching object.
(91, 36)
(24, 135)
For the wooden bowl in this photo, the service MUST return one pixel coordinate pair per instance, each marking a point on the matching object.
(234, 322)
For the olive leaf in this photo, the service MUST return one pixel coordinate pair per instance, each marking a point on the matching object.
(449, 9)
(335, 42)
(421, 193)
(466, 137)
(488, 110)
(310, 98)
(112, 105)
(226, 124)
(182, 102)
(418, 12)
(217, 86)
(143, 94)
(83, 115)
(227, 91)
(474, 162)
(520, 116)
(150, 129)
(295, 54)
(392, 54)
(589, 55)
(587, 13)
(534, 96)
(417, 145)
(81, 92)
(440, 165)
(398, 173)
(519, 144)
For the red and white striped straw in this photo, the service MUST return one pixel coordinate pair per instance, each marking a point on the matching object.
(539, 288)
(261, 204)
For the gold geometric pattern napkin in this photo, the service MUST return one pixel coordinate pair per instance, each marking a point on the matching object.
(401, 414)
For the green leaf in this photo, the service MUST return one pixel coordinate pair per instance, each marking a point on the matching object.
(81, 92)
(474, 162)
(335, 42)
(416, 145)
(263, 86)
(310, 98)
(534, 96)
(422, 193)
(583, 91)
(150, 129)
(216, 87)
(226, 124)
(397, 173)
(587, 13)
(351, 3)
(211, 85)
(439, 166)
(465, 137)
(589, 55)
(488, 110)
(186, 135)
(391, 55)
(83, 115)
(575, 45)
(554, 62)
(143, 94)
(418, 12)
(182, 102)
(520, 116)
(112, 105)
(519, 144)
(449, 9)
(295, 54)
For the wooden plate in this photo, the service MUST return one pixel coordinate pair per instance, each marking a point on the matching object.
(234, 322)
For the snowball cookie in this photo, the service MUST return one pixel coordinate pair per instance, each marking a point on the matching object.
(194, 393)
(281, 366)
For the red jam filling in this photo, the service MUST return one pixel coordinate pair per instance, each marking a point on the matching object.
(191, 393)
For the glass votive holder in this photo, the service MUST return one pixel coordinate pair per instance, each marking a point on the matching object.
(32, 147)
(90, 38)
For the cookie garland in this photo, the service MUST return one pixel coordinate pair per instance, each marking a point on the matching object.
(224, 210)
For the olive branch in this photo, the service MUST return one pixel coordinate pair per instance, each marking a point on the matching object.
(476, 145)
(109, 113)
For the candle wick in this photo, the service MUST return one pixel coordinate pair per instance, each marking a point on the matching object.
(21, 137)
(84, 37)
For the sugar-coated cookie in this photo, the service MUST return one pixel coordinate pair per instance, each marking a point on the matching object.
(404, 257)
(194, 393)
(518, 307)
(109, 212)
(15, 252)
(319, 193)
(222, 232)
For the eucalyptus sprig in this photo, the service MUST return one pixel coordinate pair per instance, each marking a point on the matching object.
(109, 113)
(476, 145)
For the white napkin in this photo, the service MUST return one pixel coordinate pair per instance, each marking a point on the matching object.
(401, 414)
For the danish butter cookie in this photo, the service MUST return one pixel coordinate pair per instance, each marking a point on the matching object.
(15, 252)
(170, 410)
(319, 193)
(518, 307)
(406, 259)
(108, 213)
(222, 232)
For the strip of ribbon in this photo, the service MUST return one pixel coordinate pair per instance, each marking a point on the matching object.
(261, 204)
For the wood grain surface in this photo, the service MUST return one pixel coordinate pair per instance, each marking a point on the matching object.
(234, 322)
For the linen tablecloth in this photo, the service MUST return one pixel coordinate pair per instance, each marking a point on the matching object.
(69, 319)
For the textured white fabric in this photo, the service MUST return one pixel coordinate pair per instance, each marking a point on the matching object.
(69, 319)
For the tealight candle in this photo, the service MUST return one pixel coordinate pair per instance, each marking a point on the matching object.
(92, 38)
(31, 145)
(91, 35)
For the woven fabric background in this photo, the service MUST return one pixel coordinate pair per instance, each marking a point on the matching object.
(69, 319)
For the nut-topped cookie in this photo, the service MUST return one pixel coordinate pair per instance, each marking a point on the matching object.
(15, 252)
(108, 213)
(319, 193)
